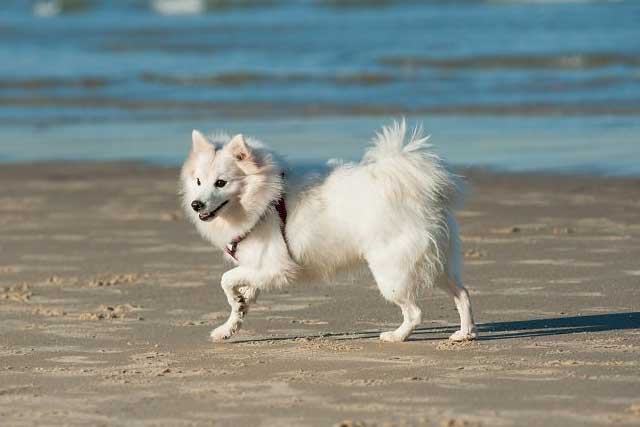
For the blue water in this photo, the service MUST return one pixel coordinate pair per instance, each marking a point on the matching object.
(514, 85)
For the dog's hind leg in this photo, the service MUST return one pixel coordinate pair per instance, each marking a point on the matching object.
(453, 286)
(239, 295)
(412, 318)
(451, 283)
(396, 286)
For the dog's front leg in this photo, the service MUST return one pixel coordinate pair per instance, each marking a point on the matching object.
(237, 286)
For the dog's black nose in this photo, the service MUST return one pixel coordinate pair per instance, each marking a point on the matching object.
(197, 205)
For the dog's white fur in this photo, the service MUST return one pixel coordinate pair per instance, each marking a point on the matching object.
(391, 212)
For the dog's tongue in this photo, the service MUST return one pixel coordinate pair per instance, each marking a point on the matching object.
(204, 216)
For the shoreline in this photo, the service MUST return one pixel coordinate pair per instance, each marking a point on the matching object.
(567, 146)
(462, 170)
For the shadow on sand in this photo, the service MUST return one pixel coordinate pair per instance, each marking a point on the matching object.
(497, 330)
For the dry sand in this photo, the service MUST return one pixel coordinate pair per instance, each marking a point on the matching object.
(107, 297)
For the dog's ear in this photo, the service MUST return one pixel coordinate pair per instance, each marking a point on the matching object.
(239, 149)
(200, 143)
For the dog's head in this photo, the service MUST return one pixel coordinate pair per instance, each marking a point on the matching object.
(232, 178)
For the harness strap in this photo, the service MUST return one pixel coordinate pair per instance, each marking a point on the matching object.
(281, 207)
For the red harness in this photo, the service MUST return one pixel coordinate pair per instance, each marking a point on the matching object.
(232, 247)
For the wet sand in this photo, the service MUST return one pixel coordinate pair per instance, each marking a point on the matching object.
(107, 296)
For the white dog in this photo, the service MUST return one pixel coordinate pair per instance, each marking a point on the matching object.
(391, 212)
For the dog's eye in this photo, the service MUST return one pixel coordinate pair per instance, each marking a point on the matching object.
(198, 181)
(220, 183)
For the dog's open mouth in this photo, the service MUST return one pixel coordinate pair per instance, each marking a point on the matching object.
(210, 215)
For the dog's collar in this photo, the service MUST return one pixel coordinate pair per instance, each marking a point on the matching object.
(280, 206)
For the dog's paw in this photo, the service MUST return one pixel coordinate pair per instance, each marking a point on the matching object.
(460, 335)
(222, 333)
(392, 336)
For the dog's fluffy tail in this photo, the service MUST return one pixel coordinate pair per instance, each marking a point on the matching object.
(390, 141)
(412, 159)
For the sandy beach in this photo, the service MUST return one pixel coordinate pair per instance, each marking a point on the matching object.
(107, 296)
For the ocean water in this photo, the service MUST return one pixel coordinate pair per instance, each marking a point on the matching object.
(539, 85)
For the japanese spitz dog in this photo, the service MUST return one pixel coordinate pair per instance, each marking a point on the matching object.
(391, 212)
